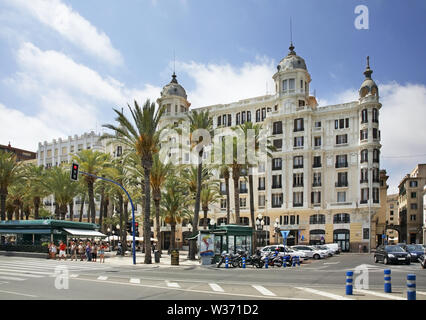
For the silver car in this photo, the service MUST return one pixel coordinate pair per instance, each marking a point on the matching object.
(311, 252)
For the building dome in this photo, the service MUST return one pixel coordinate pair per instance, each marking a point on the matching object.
(292, 61)
(173, 89)
(368, 86)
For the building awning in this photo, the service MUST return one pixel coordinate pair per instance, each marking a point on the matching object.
(25, 231)
(85, 233)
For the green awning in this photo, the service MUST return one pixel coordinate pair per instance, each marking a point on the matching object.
(25, 231)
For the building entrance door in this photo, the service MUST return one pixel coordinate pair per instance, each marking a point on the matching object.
(341, 237)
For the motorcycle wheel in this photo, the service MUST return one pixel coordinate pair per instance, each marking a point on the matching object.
(259, 264)
(235, 264)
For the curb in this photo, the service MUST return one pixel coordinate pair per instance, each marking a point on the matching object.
(24, 254)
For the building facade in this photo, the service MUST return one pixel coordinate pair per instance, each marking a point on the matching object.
(21, 155)
(322, 184)
(392, 219)
(411, 203)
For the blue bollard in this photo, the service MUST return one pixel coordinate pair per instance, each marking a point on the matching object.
(226, 262)
(298, 260)
(266, 262)
(388, 286)
(349, 281)
(244, 262)
(284, 261)
(411, 287)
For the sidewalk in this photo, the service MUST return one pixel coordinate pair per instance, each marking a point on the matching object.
(165, 261)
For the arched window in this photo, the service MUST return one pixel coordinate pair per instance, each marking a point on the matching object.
(376, 155)
(364, 116)
(238, 118)
(317, 219)
(375, 115)
(342, 218)
(258, 115)
(364, 155)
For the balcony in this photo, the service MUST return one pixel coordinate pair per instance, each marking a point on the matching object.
(276, 186)
(245, 190)
(297, 205)
(316, 165)
(262, 188)
(363, 181)
(298, 166)
(297, 185)
(340, 184)
(342, 164)
(276, 205)
(316, 184)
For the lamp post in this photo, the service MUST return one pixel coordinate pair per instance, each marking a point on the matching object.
(189, 242)
(212, 223)
(113, 240)
(276, 229)
(260, 224)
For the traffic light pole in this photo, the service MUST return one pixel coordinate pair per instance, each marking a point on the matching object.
(131, 203)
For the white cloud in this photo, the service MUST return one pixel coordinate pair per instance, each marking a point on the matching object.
(224, 83)
(72, 26)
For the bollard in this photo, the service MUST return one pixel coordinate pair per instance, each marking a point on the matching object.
(266, 262)
(244, 262)
(298, 261)
(349, 280)
(411, 287)
(226, 262)
(284, 261)
(388, 286)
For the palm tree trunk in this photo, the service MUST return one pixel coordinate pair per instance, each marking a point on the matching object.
(126, 218)
(80, 218)
(236, 178)
(71, 205)
(120, 205)
(63, 211)
(147, 165)
(205, 210)
(3, 205)
(16, 210)
(157, 223)
(92, 208)
(57, 213)
(253, 225)
(27, 212)
(36, 207)
(101, 208)
(193, 247)
(228, 201)
(21, 208)
(173, 235)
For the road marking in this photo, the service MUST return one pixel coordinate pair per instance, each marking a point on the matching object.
(420, 292)
(19, 294)
(22, 272)
(102, 278)
(135, 280)
(331, 262)
(216, 287)
(173, 284)
(73, 275)
(14, 274)
(12, 278)
(382, 295)
(324, 294)
(264, 291)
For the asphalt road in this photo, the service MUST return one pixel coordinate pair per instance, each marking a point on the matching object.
(28, 278)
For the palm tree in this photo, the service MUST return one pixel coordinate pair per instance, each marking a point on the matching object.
(144, 138)
(10, 173)
(34, 176)
(198, 121)
(209, 194)
(91, 162)
(174, 203)
(159, 173)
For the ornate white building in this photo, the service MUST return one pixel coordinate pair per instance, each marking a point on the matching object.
(322, 183)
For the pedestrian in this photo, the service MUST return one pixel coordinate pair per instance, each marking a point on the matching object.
(94, 251)
(73, 251)
(88, 252)
(62, 250)
(53, 250)
(81, 251)
(102, 253)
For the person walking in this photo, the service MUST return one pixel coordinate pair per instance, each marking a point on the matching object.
(62, 251)
(94, 252)
(73, 251)
(52, 250)
(81, 251)
(88, 252)
(102, 253)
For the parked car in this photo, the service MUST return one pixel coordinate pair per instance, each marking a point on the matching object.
(391, 254)
(311, 252)
(329, 251)
(333, 246)
(283, 250)
(415, 250)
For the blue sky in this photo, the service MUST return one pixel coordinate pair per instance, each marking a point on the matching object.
(59, 58)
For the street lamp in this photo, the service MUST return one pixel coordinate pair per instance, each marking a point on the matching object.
(260, 224)
(277, 229)
(189, 242)
(212, 223)
(113, 240)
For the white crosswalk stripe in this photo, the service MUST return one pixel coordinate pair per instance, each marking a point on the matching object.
(135, 280)
(173, 284)
(263, 290)
(216, 287)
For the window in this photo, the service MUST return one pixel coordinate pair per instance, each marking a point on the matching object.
(223, 188)
(243, 187)
(261, 200)
(413, 184)
(413, 194)
(292, 219)
(119, 151)
(283, 220)
(341, 218)
(366, 233)
(223, 203)
(317, 124)
(298, 142)
(291, 85)
(285, 85)
(277, 127)
(261, 167)
(375, 136)
(276, 181)
(376, 155)
(341, 196)
(258, 115)
(261, 185)
(263, 113)
(364, 116)
(243, 202)
(317, 179)
(316, 197)
(298, 162)
(298, 180)
(243, 117)
(364, 155)
(244, 221)
(276, 164)
(376, 175)
(317, 162)
(413, 206)
(278, 143)
(342, 179)
(317, 141)
(238, 118)
(341, 139)
(317, 219)
(375, 115)
(219, 121)
(298, 125)
(342, 161)
(364, 175)
(277, 200)
(248, 116)
(297, 199)
(364, 195)
(224, 120)
(301, 103)
(341, 123)
(363, 134)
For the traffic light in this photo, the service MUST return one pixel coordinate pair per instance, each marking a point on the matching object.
(129, 227)
(74, 172)
(136, 229)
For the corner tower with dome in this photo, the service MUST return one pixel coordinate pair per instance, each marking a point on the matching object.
(323, 182)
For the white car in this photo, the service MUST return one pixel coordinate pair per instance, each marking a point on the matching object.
(333, 246)
(311, 252)
(284, 250)
(329, 251)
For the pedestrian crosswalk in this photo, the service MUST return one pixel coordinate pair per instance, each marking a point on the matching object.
(21, 269)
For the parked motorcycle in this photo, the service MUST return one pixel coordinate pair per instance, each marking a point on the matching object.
(233, 259)
(422, 261)
(254, 260)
